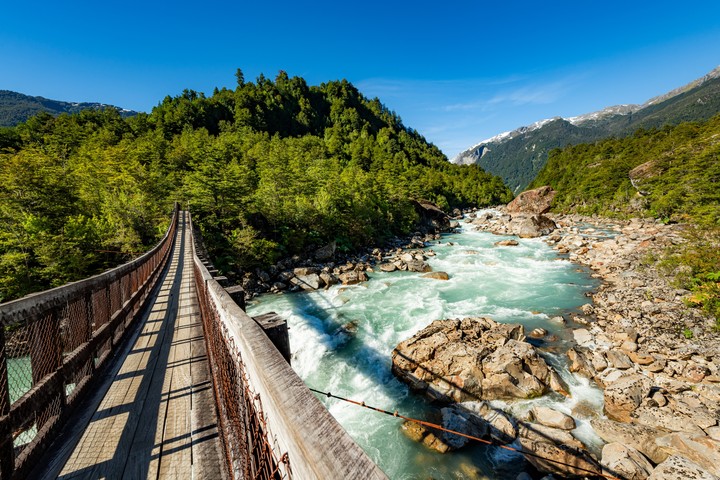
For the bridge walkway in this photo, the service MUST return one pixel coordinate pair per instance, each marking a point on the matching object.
(155, 414)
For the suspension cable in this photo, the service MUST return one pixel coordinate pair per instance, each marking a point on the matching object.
(470, 437)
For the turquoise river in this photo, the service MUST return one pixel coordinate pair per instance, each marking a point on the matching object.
(527, 284)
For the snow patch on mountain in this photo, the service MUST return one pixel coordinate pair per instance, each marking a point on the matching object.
(475, 152)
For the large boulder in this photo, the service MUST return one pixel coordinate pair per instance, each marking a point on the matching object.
(431, 216)
(530, 226)
(308, 282)
(624, 395)
(677, 467)
(559, 459)
(640, 437)
(535, 201)
(625, 462)
(701, 449)
(471, 359)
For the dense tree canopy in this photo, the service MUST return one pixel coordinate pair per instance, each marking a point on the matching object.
(671, 174)
(268, 169)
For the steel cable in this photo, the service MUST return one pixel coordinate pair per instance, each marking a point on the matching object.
(470, 437)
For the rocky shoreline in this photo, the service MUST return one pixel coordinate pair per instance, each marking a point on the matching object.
(655, 358)
(325, 266)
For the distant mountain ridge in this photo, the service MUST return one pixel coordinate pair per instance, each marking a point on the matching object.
(17, 107)
(517, 156)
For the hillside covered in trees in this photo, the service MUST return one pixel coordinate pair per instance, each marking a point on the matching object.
(671, 174)
(17, 107)
(519, 156)
(269, 169)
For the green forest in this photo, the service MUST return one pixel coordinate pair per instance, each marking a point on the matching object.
(671, 174)
(269, 169)
(675, 170)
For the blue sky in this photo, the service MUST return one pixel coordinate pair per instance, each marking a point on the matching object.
(457, 71)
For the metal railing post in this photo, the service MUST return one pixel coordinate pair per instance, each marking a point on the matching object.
(7, 459)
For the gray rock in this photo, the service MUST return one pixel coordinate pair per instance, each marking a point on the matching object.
(461, 419)
(677, 468)
(640, 437)
(552, 418)
(307, 282)
(625, 395)
(326, 253)
(626, 462)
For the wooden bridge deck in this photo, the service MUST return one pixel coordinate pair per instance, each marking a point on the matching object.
(155, 414)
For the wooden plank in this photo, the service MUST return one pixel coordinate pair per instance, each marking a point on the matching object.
(73, 432)
(174, 439)
(104, 444)
(148, 424)
(140, 454)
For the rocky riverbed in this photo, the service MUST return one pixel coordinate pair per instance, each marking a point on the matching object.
(655, 358)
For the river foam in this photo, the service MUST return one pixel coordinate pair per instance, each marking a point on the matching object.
(342, 338)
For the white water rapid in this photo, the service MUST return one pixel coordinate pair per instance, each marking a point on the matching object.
(342, 338)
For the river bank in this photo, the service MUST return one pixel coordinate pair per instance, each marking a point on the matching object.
(342, 340)
(655, 358)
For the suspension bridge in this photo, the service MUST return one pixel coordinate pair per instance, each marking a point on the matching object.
(151, 370)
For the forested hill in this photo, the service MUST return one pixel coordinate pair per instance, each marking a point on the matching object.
(269, 169)
(672, 173)
(17, 107)
(519, 155)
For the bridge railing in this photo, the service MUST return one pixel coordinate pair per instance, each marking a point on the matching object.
(52, 344)
(271, 425)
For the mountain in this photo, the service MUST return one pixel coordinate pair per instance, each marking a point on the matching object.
(17, 107)
(519, 155)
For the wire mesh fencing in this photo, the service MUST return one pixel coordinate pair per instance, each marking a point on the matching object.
(53, 343)
(242, 425)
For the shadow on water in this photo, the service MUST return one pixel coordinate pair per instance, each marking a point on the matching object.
(341, 336)
(376, 365)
